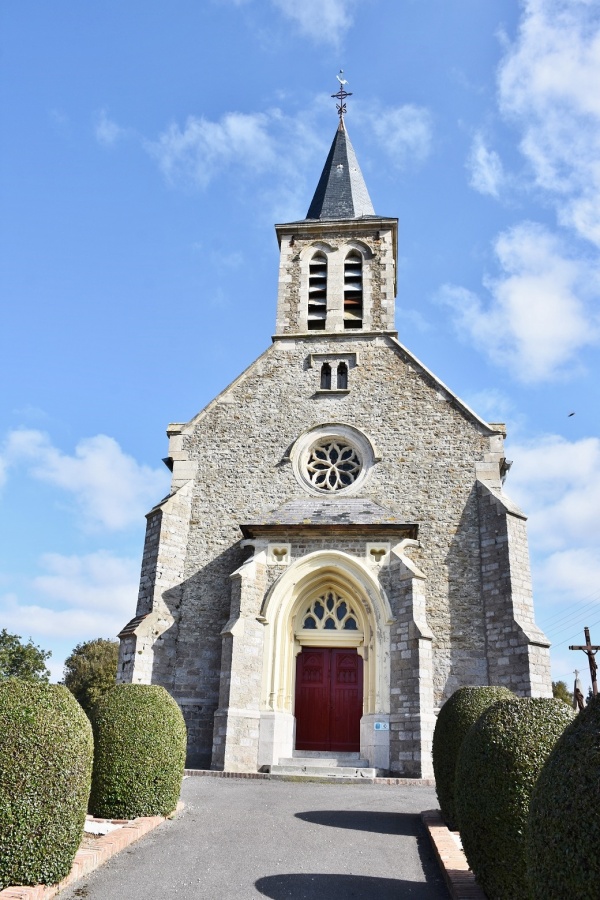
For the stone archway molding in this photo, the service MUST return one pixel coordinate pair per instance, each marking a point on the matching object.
(320, 570)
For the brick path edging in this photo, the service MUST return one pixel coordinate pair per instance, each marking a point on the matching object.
(460, 880)
(86, 860)
(266, 776)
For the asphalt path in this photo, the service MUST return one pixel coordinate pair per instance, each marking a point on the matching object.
(239, 838)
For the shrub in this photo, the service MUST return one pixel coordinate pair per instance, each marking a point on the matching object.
(563, 834)
(455, 718)
(91, 670)
(140, 742)
(45, 770)
(498, 765)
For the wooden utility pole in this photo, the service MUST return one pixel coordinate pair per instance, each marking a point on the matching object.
(590, 650)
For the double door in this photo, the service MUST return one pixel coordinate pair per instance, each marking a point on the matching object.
(329, 699)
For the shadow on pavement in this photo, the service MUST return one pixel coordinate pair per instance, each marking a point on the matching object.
(339, 887)
(365, 820)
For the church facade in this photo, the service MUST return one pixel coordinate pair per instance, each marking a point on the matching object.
(337, 554)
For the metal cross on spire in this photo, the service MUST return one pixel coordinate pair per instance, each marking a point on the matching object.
(341, 95)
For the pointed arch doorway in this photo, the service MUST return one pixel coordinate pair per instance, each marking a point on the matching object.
(358, 624)
(329, 673)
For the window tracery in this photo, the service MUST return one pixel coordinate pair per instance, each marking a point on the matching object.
(329, 612)
(333, 465)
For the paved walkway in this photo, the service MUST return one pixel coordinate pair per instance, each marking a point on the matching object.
(247, 839)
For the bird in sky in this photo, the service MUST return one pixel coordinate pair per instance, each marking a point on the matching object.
(570, 414)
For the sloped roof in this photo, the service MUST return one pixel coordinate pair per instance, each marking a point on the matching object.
(341, 192)
(357, 512)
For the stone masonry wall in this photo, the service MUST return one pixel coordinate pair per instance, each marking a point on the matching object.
(373, 239)
(239, 447)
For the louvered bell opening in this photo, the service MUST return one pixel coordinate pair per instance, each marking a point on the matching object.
(317, 294)
(353, 291)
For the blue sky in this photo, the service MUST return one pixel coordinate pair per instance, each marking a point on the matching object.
(148, 149)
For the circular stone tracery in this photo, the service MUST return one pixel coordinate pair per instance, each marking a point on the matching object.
(333, 465)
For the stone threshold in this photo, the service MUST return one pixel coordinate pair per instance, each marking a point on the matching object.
(266, 776)
(459, 878)
(88, 859)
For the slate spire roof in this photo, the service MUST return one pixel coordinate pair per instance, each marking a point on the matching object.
(341, 192)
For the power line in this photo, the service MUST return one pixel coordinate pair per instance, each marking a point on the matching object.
(572, 638)
(557, 617)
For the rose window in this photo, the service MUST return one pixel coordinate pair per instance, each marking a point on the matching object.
(330, 612)
(333, 465)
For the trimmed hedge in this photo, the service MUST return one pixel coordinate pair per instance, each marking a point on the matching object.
(45, 770)
(563, 834)
(140, 744)
(498, 766)
(455, 718)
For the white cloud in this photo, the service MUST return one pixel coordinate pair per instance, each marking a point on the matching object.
(76, 597)
(548, 85)
(490, 403)
(485, 168)
(96, 581)
(107, 131)
(201, 149)
(403, 133)
(535, 321)
(77, 624)
(110, 487)
(254, 149)
(557, 482)
(323, 21)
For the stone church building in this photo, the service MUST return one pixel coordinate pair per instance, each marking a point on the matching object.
(337, 554)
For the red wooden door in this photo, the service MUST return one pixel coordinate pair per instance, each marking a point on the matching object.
(329, 699)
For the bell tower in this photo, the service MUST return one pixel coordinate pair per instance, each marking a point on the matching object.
(337, 269)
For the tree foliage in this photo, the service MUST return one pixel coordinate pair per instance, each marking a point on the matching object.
(90, 671)
(19, 660)
(560, 691)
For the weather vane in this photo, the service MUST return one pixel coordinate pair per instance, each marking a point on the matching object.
(341, 95)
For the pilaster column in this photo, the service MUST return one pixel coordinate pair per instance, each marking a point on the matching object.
(237, 720)
(412, 717)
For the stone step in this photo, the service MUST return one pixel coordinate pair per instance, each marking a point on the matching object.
(326, 754)
(329, 772)
(336, 759)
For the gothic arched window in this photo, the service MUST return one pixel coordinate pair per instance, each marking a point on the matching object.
(317, 292)
(353, 290)
(325, 377)
(342, 376)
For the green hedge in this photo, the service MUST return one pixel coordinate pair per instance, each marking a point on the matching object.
(140, 744)
(563, 834)
(45, 770)
(455, 718)
(498, 765)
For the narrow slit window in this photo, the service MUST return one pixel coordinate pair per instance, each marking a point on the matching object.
(342, 376)
(325, 377)
(317, 292)
(353, 290)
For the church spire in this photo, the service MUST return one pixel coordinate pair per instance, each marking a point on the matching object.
(341, 192)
